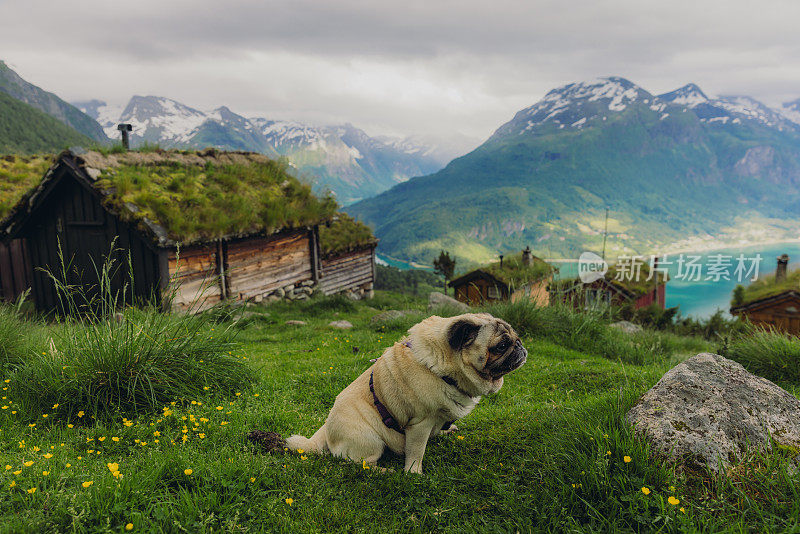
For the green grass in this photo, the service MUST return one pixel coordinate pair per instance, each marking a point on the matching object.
(534, 457)
(343, 235)
(768, 353)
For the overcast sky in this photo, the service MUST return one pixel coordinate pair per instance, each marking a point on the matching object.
(444, 68)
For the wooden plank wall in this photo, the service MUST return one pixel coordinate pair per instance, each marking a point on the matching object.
(14, 269)
(258, 266)
(348, 271)
(252, 267)
(194, 282)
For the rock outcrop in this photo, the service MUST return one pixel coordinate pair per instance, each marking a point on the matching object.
(710, 411)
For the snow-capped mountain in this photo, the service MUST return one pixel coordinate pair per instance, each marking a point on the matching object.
(578, 105)
(342, 159)
(668, 166)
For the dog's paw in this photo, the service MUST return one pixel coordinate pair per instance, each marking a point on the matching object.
(453, 428)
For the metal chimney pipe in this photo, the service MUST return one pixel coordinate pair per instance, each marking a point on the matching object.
(125, 129)
(780, 271)
(501, 260)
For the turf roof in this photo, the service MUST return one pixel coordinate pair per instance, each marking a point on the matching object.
(514, 273)
(345, 234)
(18, 175)
(190, 197)
(766, 287)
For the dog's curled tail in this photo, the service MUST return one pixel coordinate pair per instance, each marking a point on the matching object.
(317, 443)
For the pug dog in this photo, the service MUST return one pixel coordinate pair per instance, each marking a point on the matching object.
(417, 389)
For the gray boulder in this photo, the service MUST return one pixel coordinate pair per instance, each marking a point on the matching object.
(295, 322)
(710, 411)
(342, 325)
(436, 300)
(627, 327)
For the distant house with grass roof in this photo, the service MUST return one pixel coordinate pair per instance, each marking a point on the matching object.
(615, 290)
(521, 276)
(772, 301)
(194, 228)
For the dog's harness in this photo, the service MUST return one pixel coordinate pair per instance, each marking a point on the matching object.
(387, 417)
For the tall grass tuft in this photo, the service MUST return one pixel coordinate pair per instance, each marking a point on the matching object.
(20, 339)
(773, 355)
(128, 361)
(589, 331)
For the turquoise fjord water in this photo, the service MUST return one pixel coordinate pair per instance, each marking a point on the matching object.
(702, 298)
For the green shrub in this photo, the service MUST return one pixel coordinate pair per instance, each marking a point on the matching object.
(132, 364)
(773, 355)
(125, 362)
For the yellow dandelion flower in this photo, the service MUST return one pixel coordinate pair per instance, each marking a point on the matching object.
(81, 414)
(70, 425)
(202, 436)
(255, 394)
(28, 463)
(32, 490)
(44, 415)
(129, 526)
(69, 465)
(101, 438)
(206, 388)
(223, 423)
(301, 451)
(626, 459)
(8, 467)
(219, 408)
(17, 472)
(55, 406)
(187, 472)
(364, 464)
(87, 483)
(682, 509)
(608, 453)
(252, 479)
(289, 501)
(460, 437)
(45, 473)
(90, 451)
(48, 455)
(304, 457)
(645, 490)
(115, 438)
(32, 425)
(673, 501)
(113, 467)
(13, 484)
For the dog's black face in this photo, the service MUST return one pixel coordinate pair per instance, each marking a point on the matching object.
(487, 344)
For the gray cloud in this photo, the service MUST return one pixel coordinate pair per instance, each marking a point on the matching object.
(436, 67)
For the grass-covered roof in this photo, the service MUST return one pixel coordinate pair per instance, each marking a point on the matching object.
(514, 273)
(344, 234)
(194, 196)
(767, 286)
(18, 175)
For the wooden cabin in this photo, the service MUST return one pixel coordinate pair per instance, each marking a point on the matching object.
(773, 301)
(197, 228)
(519, 277)
(348, 258)
(608, 291)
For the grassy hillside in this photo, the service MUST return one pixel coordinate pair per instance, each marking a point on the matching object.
(12, 84)
(549, 452)
(663, 178)
(25, 130)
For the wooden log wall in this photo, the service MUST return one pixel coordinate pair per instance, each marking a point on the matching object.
(244, 269)
(349, 271)
(194, 281)
(258, 266)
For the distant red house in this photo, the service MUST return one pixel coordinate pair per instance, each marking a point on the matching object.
(610, 291)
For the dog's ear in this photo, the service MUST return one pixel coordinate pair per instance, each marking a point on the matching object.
(462, 334)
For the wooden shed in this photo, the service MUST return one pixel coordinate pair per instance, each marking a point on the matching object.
(773, 301)
(523, 276)
(197, 226)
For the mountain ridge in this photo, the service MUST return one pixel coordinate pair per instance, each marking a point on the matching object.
(666, 170)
